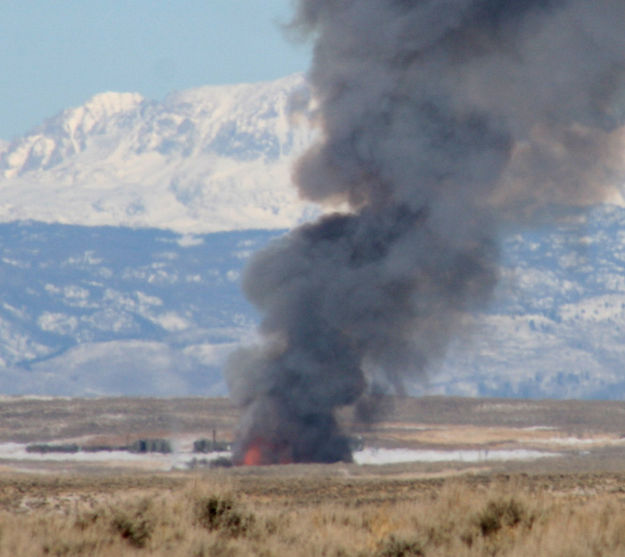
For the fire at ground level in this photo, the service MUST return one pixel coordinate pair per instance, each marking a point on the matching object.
(427, 434)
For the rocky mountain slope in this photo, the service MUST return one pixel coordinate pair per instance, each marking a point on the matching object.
(113, 310)
(126, 224)
(556, 328)
(208, 159)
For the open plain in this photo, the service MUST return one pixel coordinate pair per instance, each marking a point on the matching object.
(432, 477)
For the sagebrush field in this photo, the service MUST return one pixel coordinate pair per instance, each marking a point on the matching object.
(312, 513)
(571, 504)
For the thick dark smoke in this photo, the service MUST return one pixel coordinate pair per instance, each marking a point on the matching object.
(441, 122)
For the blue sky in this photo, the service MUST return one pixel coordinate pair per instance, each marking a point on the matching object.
(57, 53)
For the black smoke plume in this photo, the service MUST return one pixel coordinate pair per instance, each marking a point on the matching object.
(440, 122)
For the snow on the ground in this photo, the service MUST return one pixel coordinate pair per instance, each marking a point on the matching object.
(183, 459)
(396, 456)
(576, 441)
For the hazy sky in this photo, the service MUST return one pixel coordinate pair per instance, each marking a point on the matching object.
(57, 53)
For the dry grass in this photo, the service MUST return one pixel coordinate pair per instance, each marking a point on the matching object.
(560, 507)
(116, 420)
(295, 514)
(123, 419)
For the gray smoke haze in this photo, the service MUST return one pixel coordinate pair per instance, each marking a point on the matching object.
(441, 122)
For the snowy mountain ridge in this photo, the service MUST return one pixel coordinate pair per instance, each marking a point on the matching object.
(208, 159)
(66, 134)
(113, 310)
(125, 224)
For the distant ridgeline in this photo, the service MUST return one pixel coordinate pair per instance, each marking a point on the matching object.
(119, 311)
(108, 310)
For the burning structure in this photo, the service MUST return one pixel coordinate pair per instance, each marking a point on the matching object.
(442, 122)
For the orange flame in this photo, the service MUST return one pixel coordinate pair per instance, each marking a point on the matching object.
(253, 456)
(261, 452)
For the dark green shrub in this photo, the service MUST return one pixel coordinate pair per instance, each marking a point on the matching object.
(136, 527)
(221, 513)
(500, 514)
(395, 547)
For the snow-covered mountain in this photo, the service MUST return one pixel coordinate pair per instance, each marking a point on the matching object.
(208, 159)
(127, 222)
(556, 328)
(113, 310)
